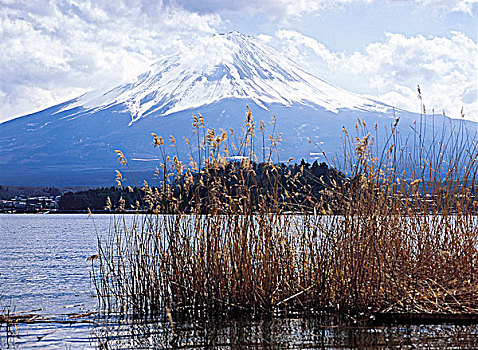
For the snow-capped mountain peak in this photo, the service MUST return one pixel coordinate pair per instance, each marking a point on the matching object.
(223, 66)
(74, 143)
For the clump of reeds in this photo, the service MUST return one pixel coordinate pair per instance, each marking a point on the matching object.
(390, 230)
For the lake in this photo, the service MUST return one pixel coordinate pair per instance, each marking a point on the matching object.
(44, 272)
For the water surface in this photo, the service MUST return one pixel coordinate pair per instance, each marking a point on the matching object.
(44, 268)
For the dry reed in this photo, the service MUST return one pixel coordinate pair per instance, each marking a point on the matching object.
(393, 229)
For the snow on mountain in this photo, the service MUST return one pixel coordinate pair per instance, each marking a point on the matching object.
(225, 66)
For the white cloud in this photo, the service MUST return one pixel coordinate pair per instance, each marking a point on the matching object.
(445, 67)
(51, 51)
(450, 5)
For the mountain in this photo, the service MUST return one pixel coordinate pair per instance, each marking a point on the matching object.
(232, 66)
(73, 143)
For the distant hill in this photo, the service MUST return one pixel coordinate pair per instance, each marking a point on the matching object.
(9, 192)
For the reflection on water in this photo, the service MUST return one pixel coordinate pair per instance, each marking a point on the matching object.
(43, 266)
(274, 333)
(287, 333)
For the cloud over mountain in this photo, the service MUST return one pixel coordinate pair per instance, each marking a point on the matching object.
(54, 50)
(445, 67)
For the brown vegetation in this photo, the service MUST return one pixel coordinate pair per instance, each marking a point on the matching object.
(396, 232)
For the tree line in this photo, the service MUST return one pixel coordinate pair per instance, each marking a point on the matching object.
(281, 187)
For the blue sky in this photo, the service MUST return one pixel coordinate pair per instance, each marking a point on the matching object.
(352, 26)
(51, 51)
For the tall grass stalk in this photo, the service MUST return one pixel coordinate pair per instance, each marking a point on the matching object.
(388, 232)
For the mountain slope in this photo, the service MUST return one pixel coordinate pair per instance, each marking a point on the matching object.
(73, 143)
